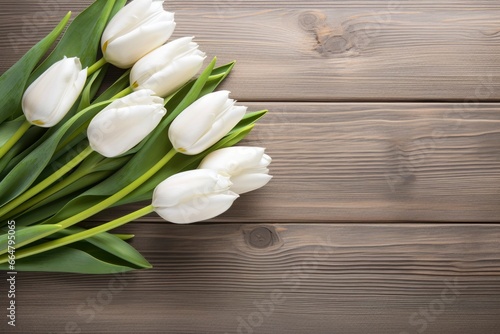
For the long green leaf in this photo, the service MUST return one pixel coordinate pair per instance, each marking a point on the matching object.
(25, 234)
(40, 211)
(13, 81)
(82, 37)
(70, 260)
(113, 245)
(7, 129)
(26, 172)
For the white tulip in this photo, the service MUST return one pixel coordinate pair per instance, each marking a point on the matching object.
(193, 196)
(49, 98)
(246, 166)
(167, 68)
(125, 122)
(137, 29)
(204, 122)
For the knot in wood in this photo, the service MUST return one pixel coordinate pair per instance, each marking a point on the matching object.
(311, 20)
(261, 237)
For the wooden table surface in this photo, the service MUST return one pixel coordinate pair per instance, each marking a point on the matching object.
(383, 213)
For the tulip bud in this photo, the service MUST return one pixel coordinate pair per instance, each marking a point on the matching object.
(204, 123)
(49, 98)
(137, 29)
(125, 122)
(193, 196)
(246, 166)
(167, 68)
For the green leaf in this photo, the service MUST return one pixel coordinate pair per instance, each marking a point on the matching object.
(40, 214)
(36, 135)
(13, 81)
(26, 172)
(24, 235)
(119, 85)
(50, 205)
(217, 76)
(91, 88)
(113, 245)
(124, 236)
(70, 260)
(82, 37)
(7, 129)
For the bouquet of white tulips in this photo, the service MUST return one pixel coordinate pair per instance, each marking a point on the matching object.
(69, 149)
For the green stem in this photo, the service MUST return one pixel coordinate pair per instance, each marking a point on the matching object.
(105, 203)
(15, 137)
(45, 194)
(97, 65)
(123, 93)
(119, 195)
(47, 182)
(80, 235)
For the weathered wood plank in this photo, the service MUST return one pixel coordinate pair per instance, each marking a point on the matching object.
(351, 278)
(375, 162)
(321, 50)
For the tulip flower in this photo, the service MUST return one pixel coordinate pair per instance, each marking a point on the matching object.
(137, 29)
(193, 196)
(125, 122)
(204, 123)
(246, 166)
(167, 68)
(49, 98)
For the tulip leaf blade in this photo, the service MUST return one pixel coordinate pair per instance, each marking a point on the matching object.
(13, 81)
(7, 129)
(51, 204)
(82, 37)
(25, 234)
(112, 245)
(89, 91)
(70, 260)
(28, 169)
(216, 77)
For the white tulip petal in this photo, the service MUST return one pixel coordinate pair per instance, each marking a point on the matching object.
(125, 123)
(204, 123)
(249, 182)
(136, 30)
(245, 165)
(184, 131)
(197, 209)
(193, 196)
(160, 58)
(171, 78)
(219, 129)
(167, 68)
(127, 16)
(49, 98)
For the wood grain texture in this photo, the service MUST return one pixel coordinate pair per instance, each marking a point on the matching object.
(352, 278)
(321, 50)
(281, 260)
(374, 162)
